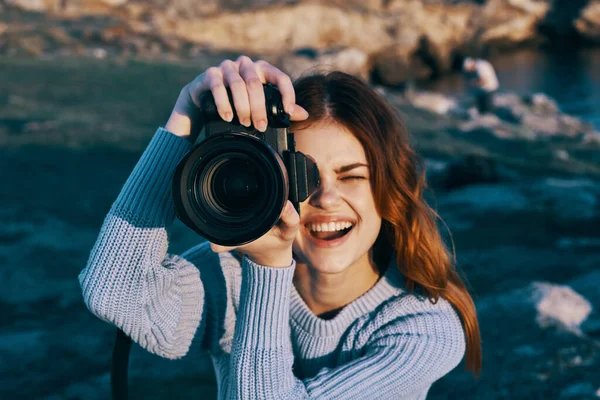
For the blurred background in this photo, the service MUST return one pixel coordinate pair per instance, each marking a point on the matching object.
(85, 83)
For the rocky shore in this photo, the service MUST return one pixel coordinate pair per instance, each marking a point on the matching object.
(390, 40)
(518, 188)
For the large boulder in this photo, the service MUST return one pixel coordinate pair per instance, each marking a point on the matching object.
(398, 64)
(507, 23)
(588, 23)
(404, 39)
(280, 29)
(350, 60)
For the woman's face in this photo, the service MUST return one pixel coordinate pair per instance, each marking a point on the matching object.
(339, 222)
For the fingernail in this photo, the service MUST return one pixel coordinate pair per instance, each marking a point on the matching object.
(261, 125)
(228, 117)
(245, 122)
(290, 109)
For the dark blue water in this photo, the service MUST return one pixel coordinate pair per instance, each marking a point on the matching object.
(571, 78)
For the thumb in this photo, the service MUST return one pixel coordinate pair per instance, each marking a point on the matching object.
(289, 221)
(217, 248)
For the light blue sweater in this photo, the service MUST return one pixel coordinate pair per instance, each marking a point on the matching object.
(264, 341)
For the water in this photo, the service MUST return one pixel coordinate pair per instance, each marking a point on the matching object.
(572, 78)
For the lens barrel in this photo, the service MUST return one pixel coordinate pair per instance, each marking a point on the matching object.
(231, 188)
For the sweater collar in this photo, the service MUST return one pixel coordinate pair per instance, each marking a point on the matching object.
(389, 285)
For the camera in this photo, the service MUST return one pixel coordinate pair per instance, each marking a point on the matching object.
(232, 186)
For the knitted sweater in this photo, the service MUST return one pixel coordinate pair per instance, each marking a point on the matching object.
(264, 341)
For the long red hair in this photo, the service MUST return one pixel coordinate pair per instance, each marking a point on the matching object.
(397, 180)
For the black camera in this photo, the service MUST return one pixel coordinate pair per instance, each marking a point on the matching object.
(232, 186)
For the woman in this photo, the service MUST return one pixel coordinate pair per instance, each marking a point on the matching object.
(357, 299)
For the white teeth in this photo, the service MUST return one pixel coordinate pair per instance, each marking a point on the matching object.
(329, 227)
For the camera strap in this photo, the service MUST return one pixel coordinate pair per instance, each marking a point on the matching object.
(120, 365)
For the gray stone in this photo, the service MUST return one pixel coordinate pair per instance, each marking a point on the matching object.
(350, 60)
(559, 306)
(588, 23)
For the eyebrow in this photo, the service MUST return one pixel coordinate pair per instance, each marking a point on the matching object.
(350, 167)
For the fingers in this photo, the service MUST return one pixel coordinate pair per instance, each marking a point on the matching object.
(286, 88)
(283, 83)
(239, 92)
(245, 79)
(256, 94)
(216, 84)
(289, 222)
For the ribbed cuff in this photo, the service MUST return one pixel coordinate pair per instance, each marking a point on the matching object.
(263, 318)
(147, 192)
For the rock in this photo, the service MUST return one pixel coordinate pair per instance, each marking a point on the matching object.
(588, 23)
(570, 20)
(510, 22)
(350, 60)
(115, 3)
(509, 107)
(59, 34)
(530, 116)
(483, 198)
(33, 45)
(470, 170)
(591, 138)
(541, 124)
(397, 64)
(491, 125)
(587, 285)
(280, 29)
(99, 53)
(552, 305)
(561, 154)
(432, 101)
(541, 104)
(421, 36)
(571, 126)
(30, 5)
(568, 199)
(560, 306)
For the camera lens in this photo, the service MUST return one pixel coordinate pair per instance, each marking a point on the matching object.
(230, 189)
(234, 184)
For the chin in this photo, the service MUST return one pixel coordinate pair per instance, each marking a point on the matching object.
(326, 264)
(328, 260)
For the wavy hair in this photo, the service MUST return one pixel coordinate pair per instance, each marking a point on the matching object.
(397, 181)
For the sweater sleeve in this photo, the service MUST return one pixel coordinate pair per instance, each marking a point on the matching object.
(403, 358)
(130, 281)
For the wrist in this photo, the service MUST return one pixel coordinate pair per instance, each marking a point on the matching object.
(180, 125)
(273, 261)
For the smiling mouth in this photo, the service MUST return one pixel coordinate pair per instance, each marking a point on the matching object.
(330, 235)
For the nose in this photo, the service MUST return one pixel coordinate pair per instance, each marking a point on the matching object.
(326, 196)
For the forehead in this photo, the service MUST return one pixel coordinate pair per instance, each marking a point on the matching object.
(329, 144)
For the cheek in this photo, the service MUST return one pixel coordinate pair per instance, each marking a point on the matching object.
(360, 198)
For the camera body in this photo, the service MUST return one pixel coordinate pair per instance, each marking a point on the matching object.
(232, 186)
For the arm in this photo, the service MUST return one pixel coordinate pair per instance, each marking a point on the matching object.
(129, 280)
(403, 357)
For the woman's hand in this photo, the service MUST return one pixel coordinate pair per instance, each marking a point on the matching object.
(274, 248)
(245, 78)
